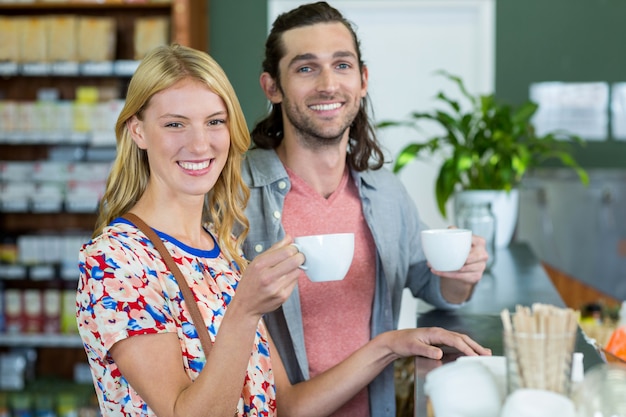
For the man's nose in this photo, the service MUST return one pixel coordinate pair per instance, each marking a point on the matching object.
(328, 81)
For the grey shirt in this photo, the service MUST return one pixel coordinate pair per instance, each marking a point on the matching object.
(400, 263)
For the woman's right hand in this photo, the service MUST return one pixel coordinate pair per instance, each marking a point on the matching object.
(271, 277)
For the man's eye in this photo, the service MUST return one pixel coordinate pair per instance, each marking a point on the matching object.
(305, 69)
(344, 66)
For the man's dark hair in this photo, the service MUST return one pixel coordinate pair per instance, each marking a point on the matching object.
(363, 149)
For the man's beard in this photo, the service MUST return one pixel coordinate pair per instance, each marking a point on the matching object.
(315, 134)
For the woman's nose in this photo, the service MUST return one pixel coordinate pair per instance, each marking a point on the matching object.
(199, 139)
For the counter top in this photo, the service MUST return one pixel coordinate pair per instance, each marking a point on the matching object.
(517, 278)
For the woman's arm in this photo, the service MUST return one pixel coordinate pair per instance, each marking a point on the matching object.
(153, 364)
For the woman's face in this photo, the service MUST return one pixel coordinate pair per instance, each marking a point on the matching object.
(184, 130)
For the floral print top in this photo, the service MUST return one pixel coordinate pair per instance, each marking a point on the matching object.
(125, 289)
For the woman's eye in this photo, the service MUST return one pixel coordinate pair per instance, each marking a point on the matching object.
(217, 122)
(174, 124)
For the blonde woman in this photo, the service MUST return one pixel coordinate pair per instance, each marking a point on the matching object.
(181, 137)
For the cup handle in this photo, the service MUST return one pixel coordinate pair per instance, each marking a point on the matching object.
(302, 266)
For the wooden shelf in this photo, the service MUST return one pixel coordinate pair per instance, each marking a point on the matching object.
(58, 354)
(188, 17)
(39, 7)
(16, 222)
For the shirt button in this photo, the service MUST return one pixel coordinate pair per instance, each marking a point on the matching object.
(258, 248)
(277, 214)
(282, 185)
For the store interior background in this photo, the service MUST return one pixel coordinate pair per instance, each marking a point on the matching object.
(578, 232)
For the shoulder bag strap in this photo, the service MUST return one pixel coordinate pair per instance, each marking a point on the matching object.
(192, 305)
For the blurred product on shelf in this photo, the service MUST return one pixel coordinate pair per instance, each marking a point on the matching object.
(149, 32)
(598, 323)
(75, 38)
(617, 343)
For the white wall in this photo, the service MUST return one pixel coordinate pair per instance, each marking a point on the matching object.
(404, 42)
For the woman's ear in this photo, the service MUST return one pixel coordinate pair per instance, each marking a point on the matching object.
(135, 129)
(270, 88)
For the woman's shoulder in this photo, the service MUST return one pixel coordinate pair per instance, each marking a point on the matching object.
(119, 236)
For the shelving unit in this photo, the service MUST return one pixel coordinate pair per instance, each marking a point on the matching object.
(20, 82)
(41, 340)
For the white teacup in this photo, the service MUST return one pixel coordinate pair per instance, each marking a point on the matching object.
(463, 388)
(446, 249)
(526, 402)
(327, 257)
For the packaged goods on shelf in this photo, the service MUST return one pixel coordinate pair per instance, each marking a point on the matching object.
(33, 309)
(13, 307)
(47, 198)
(8, 115)
(150, 32)
(49, 249)
(83, 196)
(8, 250)
(52, 186)
(61, 121)
(50, 171)
(96, 39)
(32, 34)
(1, 308)
(89, 173)
(15, 196)
(27, 120)
(51, 310)
(84, 105)
(45, 116)
(9, 39)
(12, 369)
(15, 171)
(62, 35)
(68, 323)
(617, 342)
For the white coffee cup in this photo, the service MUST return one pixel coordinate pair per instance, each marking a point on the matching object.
(446, 249)
(463, 388)
(327, 257)
(527, 402)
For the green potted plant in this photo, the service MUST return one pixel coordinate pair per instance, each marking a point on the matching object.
(488, 146)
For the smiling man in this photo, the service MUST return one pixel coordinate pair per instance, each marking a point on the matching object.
(317, 168)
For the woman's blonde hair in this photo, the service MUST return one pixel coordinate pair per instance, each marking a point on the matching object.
(224, 205)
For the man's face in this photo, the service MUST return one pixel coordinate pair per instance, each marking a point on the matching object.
(321, 86)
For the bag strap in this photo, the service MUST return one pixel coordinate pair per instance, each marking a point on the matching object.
(192, 305)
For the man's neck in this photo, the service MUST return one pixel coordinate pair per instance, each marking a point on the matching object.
(321, 168)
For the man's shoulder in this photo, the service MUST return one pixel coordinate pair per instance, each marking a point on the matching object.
(380, 179)
(261, 167)
(257, 156)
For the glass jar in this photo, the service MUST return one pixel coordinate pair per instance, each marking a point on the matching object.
(477, 217)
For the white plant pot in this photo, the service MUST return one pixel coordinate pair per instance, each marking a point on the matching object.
(504, 206)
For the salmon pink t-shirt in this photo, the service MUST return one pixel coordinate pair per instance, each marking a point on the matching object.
(336, 314)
